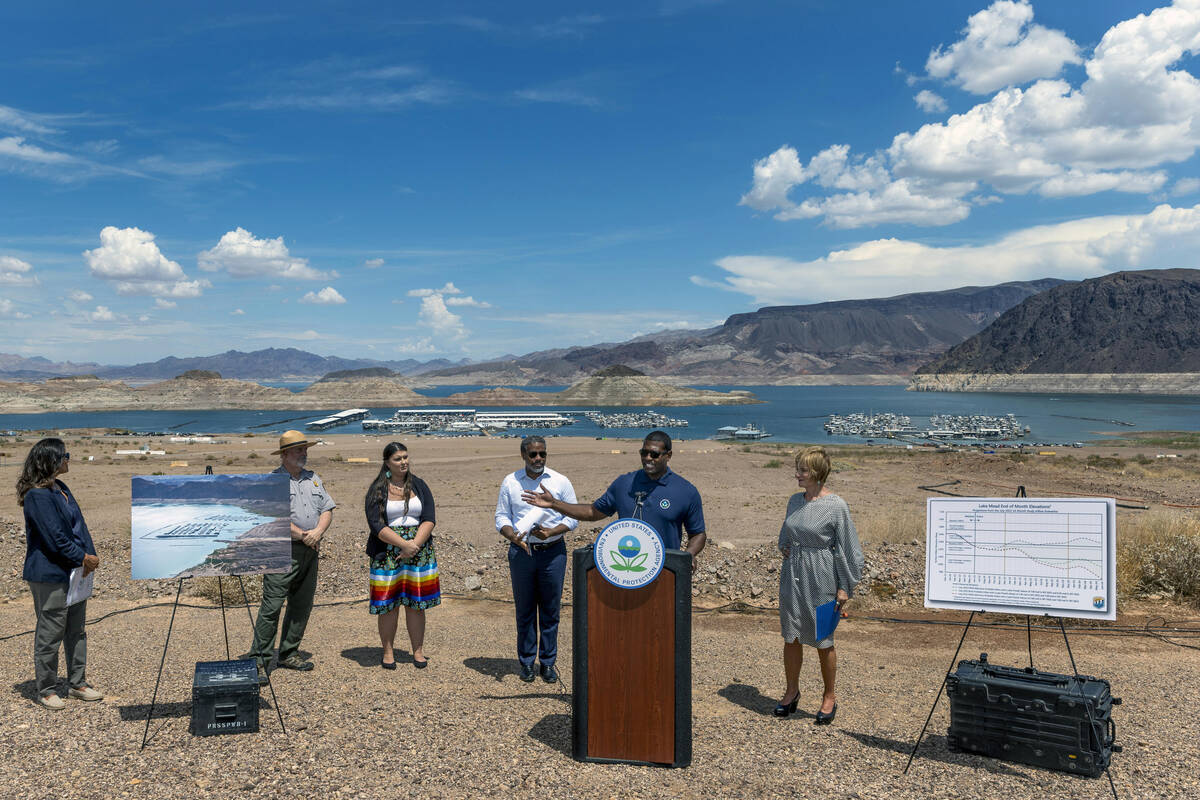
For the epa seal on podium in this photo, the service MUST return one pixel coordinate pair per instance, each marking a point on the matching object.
(629, 553)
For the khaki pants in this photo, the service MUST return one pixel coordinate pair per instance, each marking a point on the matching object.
(58, 625)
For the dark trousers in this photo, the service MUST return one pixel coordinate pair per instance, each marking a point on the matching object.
(537, 582)
(297, 586)
(58, 625)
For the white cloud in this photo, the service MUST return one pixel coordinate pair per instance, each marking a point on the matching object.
(160, 303)
(14, 119)
(449, 288)
(1132, 116)
(445, 323)
(101, 314)
(1185, 186)
(80, 296)
(237, 312)
(308, 336)
(467, 301)
(243, 256)
(14, 147)
(930, 102)
(1082, 248)
(129, 258)
(435, 312)
(337, 84)
(15, 272)
(373, 263)
(328, 296)
(1002, 47)
(420, 346)
(8, 310)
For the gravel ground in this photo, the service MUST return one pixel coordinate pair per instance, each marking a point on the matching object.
(468, 727)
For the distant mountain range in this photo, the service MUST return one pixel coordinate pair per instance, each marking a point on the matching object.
(1143, 321)
(889, 336)
(271, 364)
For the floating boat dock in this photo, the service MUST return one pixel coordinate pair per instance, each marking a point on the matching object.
(340, 418)
(745, 433)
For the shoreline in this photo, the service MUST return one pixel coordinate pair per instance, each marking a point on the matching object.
(247, 550)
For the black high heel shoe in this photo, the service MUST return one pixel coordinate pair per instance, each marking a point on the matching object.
(825, 719)
(782, 711)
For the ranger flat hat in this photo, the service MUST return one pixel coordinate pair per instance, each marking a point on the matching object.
(289, 440)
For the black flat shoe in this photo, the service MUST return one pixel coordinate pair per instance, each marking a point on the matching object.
(825, 719)
(421, 664)
(387, 665)
(782, 711)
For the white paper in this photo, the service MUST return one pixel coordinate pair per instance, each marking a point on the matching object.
(80, 587)
(532, 516)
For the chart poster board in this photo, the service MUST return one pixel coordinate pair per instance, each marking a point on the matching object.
(1022, 556)
(190, 526)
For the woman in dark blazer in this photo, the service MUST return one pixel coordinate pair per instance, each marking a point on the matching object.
(404, 570)
(56, 542)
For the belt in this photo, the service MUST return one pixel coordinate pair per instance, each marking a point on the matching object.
(544, 545)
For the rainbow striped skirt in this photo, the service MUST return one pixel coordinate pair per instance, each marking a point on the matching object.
(411, 582)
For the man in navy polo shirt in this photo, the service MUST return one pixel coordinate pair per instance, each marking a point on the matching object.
(655, 494)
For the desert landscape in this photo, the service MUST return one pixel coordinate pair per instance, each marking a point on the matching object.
(468, 727)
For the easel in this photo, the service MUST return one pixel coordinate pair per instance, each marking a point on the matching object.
(1030, 668)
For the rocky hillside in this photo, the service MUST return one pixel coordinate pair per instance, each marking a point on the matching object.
(634, 390)
(881, 338)
(199, 390)
(1141, 321)
(272, 363)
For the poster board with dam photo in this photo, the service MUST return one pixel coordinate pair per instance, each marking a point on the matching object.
(192, 526)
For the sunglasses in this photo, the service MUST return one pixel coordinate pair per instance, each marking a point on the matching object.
(66, 456)
(655, 454)
(536, 454)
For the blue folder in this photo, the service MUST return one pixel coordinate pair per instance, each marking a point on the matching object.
(828, 616)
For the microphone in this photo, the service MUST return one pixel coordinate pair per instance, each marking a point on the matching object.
(637, 506)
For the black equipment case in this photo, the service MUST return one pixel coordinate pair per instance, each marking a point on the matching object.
(225, 697)
(1061, 722)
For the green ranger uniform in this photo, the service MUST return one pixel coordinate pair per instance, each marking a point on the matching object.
(299, 584)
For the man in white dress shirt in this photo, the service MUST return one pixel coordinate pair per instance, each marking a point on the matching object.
(537, 556)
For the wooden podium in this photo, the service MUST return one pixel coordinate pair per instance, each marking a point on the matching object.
(632, 669)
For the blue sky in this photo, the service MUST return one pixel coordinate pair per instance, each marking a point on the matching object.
(469, 180)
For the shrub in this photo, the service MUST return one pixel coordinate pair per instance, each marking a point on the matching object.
(252, 454)
(1105, 462)
(339, 457)
(1160, 555)
(774, 463)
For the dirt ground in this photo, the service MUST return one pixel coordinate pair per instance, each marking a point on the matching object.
(468, 727)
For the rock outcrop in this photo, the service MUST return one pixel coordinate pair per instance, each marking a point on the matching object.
(365, 392)
(1141, 321)
(1061, 383)
(645, 391)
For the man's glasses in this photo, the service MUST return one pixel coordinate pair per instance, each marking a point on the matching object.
(536, 454)
(655, 454)
(66, 456)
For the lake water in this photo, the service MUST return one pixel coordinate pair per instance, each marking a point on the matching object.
(166, 557)
(789, 413)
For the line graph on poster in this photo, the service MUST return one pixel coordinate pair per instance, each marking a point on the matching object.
(1025, 556)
